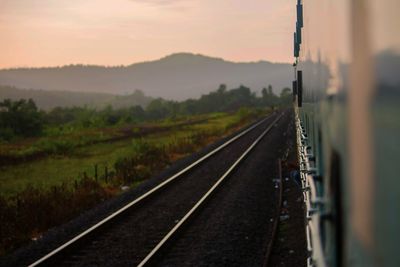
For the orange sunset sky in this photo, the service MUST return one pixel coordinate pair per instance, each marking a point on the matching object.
(119, 32)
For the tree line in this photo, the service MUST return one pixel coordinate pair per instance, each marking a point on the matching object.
(22, 118)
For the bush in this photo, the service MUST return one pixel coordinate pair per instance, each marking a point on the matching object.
(31, 212)
(147, 158)
(149, 154)
(20, 118)
(58, 146)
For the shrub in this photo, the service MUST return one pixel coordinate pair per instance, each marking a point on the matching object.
(147, 158)
(56, 146)
(31, 212)
(19, 118)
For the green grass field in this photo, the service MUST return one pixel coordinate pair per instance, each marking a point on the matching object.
(57, 169)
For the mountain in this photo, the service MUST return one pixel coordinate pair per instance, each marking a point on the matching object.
(178, 76)
(47, 100)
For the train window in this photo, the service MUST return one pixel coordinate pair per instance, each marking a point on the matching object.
(296, 46)
(300, 14)
(294, 88)
(298, 33)
(300, 88)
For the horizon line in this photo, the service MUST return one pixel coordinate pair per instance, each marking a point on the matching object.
(139, 62)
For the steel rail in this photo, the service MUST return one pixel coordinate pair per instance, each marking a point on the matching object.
(144, 196)
(276, 221)
(195, 208)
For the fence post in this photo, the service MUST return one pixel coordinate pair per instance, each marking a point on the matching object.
(106, 174)
(95, 172)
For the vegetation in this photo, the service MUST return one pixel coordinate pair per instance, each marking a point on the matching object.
(19, 118)
(48, 100)
(77, 157)
(31, 212)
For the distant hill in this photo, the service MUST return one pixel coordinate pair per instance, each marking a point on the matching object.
(178, 76)
(49, 99)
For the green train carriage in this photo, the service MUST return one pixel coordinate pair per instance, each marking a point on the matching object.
(347, 98)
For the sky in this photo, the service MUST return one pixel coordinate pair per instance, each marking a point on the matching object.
(38, 33)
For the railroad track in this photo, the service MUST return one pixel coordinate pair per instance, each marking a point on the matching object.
(275, 225)
(135, 234)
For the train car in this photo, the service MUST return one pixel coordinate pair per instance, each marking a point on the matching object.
(347, 98)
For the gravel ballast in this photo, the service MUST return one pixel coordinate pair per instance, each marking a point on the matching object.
(235, 226)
